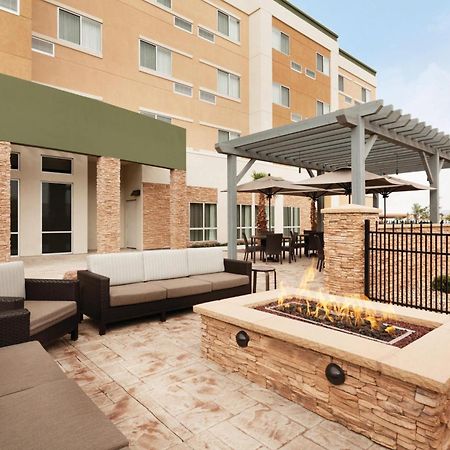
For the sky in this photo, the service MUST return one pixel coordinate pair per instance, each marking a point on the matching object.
(408, 43)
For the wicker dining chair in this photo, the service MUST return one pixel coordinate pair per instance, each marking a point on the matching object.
(250, 249)
(274, 246)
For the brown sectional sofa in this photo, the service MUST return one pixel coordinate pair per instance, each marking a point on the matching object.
(123, 286)
(42, 409)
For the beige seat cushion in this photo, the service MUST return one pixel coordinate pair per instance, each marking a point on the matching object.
(44, 313)
(182, 287)
(131, 294)
(26, 365)
(55, 416)
(223, 280)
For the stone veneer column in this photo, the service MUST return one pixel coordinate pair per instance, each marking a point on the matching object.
(178, 206)
(108, 205)
(344, 248)
(5, 201)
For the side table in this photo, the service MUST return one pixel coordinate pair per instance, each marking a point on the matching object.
(267, 270)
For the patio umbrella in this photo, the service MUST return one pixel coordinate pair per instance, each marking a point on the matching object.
(389, 184)
(270, 186)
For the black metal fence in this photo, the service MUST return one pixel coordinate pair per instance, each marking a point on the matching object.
(408, 264)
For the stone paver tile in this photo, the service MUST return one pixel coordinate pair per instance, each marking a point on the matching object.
(234, 401)
(322, 435)
(182, 446)
(292, 410)
(208, 385)
(267, 426)
(234, 437)
(301, 443)
(377, 447)
(146, 432)
(207, 441)
(149, 367)
(175, 400)
(203, 416)
(124, 409)
(339, 429)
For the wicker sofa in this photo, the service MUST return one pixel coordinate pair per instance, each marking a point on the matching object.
(32, 309)
(42, 409)
(121, 286)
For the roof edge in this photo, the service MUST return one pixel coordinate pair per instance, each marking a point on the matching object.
(307, 18)
(356, 61)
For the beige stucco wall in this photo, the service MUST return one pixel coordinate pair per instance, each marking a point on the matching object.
(352, 88)
(30, 179)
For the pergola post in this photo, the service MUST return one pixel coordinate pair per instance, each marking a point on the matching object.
(358, 144)
(435, 169)
(231, 205)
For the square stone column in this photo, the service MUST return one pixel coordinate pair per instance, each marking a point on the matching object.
(179, 209)
(5, 201)
(344, 248)
(108, 205)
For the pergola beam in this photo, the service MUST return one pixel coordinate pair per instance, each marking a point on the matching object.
(246, 168)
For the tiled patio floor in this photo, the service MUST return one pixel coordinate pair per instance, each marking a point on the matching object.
(150, 379)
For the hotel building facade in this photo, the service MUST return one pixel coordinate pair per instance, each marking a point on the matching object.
(218, 69)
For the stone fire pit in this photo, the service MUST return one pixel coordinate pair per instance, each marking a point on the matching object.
(398, 397)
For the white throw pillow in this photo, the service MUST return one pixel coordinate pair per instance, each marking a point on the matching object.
(205, 260)
(165, 264)
(12, 279)
(120, 268)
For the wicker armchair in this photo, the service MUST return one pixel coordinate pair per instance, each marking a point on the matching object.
(49, 310)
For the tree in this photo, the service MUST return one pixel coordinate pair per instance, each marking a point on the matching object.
(313, 215)
(420, 212)
(261, 218)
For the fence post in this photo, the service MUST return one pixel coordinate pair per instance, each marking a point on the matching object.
(367, 257)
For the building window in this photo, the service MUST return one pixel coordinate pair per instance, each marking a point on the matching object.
(166, 3)
(14, 199)
(228, 84)
(42, 46)
(80, 30)
(280, 41)
(281, 95)
(10, 6)
(365, 95)
(296, 67)
(183, 24)
(347, 99)
(323, 64)
(244, 221)
(296, 117)
(291, 220)
(203, 222)
(205, 34)
(56, 165)
(56, 218)
(182, 89)
(157, 116)
(229, 26)
(14, 161)
(310, 73)
(341, 83)
(322, 108)
(207, 97)
(224, 135)
(155, 57)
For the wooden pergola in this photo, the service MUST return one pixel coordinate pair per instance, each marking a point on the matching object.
(370, 136)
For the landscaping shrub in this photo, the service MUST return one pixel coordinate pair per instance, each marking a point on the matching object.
(441, 283)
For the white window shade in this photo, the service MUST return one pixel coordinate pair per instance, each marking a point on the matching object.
(91, 35)
(284, 43)
(234, 27)
(276, 94)
(164, 61)
(10, 5)
(326, 66)
(234, 87)
(148, 55)
(222, 82)
(222, 24)
(69, 27)
(284, 96)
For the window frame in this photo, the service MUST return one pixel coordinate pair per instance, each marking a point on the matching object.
(281, 86)
(240, 226)
(312, 74)
(296, 70)
(175, 83)
(164, 6)
(40, 51)
(56, 157)
(229, 16)
(229, 75)
(157, 47)
(324, 58)
(323, 107)
(18, 161)
(291, 227)
(199, 28)
(184, 20)
(298, 115)
(341, 77)
(203, 229)
(365, 94)
(280, 34)
(200, 91)
(11, 11)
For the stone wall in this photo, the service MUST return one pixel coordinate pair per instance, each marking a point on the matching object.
(108, 205)
(344, 248)
(156, 215)
(5, 201)
(197, 194)
(178, 210)
(391, 412)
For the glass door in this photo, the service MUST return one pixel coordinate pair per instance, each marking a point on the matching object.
(56, 217)
(14, 217)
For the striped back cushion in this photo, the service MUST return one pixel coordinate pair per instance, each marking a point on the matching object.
(12, 279)
(120, 268)
(165, 264)
(205, 260)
